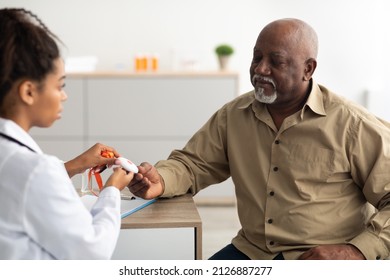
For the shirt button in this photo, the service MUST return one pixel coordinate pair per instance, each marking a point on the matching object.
(277, 142)
(378, 257)
(271, 193)
(270, 221)
(276, 168)
(271, 243)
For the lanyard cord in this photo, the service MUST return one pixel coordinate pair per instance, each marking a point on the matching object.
(96, 172)
(16, 141)
(98, 179)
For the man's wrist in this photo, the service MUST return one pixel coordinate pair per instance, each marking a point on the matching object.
(162, 182)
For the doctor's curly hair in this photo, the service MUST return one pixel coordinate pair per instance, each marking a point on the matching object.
(27, 48)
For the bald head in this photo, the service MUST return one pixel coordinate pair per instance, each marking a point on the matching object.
(295, 33)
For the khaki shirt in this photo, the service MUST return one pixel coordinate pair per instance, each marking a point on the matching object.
(303, 185)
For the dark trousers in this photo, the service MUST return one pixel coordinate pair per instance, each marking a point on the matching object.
(232, 253)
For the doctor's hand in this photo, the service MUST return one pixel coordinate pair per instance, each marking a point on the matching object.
(333, 252)
(91, 158)
(120, 178)
(147, 183)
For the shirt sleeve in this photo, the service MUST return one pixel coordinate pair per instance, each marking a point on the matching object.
(202, 162)
(370, 168)
(57, 220)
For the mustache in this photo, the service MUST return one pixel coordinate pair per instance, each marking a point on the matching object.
(259, 78)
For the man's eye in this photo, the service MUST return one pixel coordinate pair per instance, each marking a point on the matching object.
(278, 63)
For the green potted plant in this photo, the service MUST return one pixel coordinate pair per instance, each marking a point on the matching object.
(223, 51)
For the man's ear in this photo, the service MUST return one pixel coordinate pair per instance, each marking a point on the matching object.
(310, 67)
(27, 92)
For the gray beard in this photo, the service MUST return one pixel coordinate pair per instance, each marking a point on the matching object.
(267, 99)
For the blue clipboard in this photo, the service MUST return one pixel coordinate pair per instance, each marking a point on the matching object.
(128, 205)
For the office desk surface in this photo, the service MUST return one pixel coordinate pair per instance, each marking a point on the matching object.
(174, 212)
(165, 213)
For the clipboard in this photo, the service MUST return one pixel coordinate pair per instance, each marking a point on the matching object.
(128, 205)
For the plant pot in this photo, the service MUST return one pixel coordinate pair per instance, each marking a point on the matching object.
(223, 62)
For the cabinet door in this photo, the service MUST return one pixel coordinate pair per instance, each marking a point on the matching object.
(156, 244)
(155, 107)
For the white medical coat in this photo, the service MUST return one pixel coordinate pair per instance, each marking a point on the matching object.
(41, 214)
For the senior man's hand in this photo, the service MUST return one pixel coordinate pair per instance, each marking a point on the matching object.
(333, 252)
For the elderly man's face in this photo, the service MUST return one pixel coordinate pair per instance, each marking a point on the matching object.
(277, 67)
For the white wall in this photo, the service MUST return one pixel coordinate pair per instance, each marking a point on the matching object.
(354, 36)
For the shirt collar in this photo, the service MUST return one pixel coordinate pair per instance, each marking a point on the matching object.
(13, 130)
(315, 101)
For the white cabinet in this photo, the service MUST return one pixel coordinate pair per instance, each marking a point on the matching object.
(155, 244)
(143, 116)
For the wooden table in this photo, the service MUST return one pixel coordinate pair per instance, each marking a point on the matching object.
(170, 228)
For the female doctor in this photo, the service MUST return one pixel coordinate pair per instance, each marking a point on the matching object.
(41, 214)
